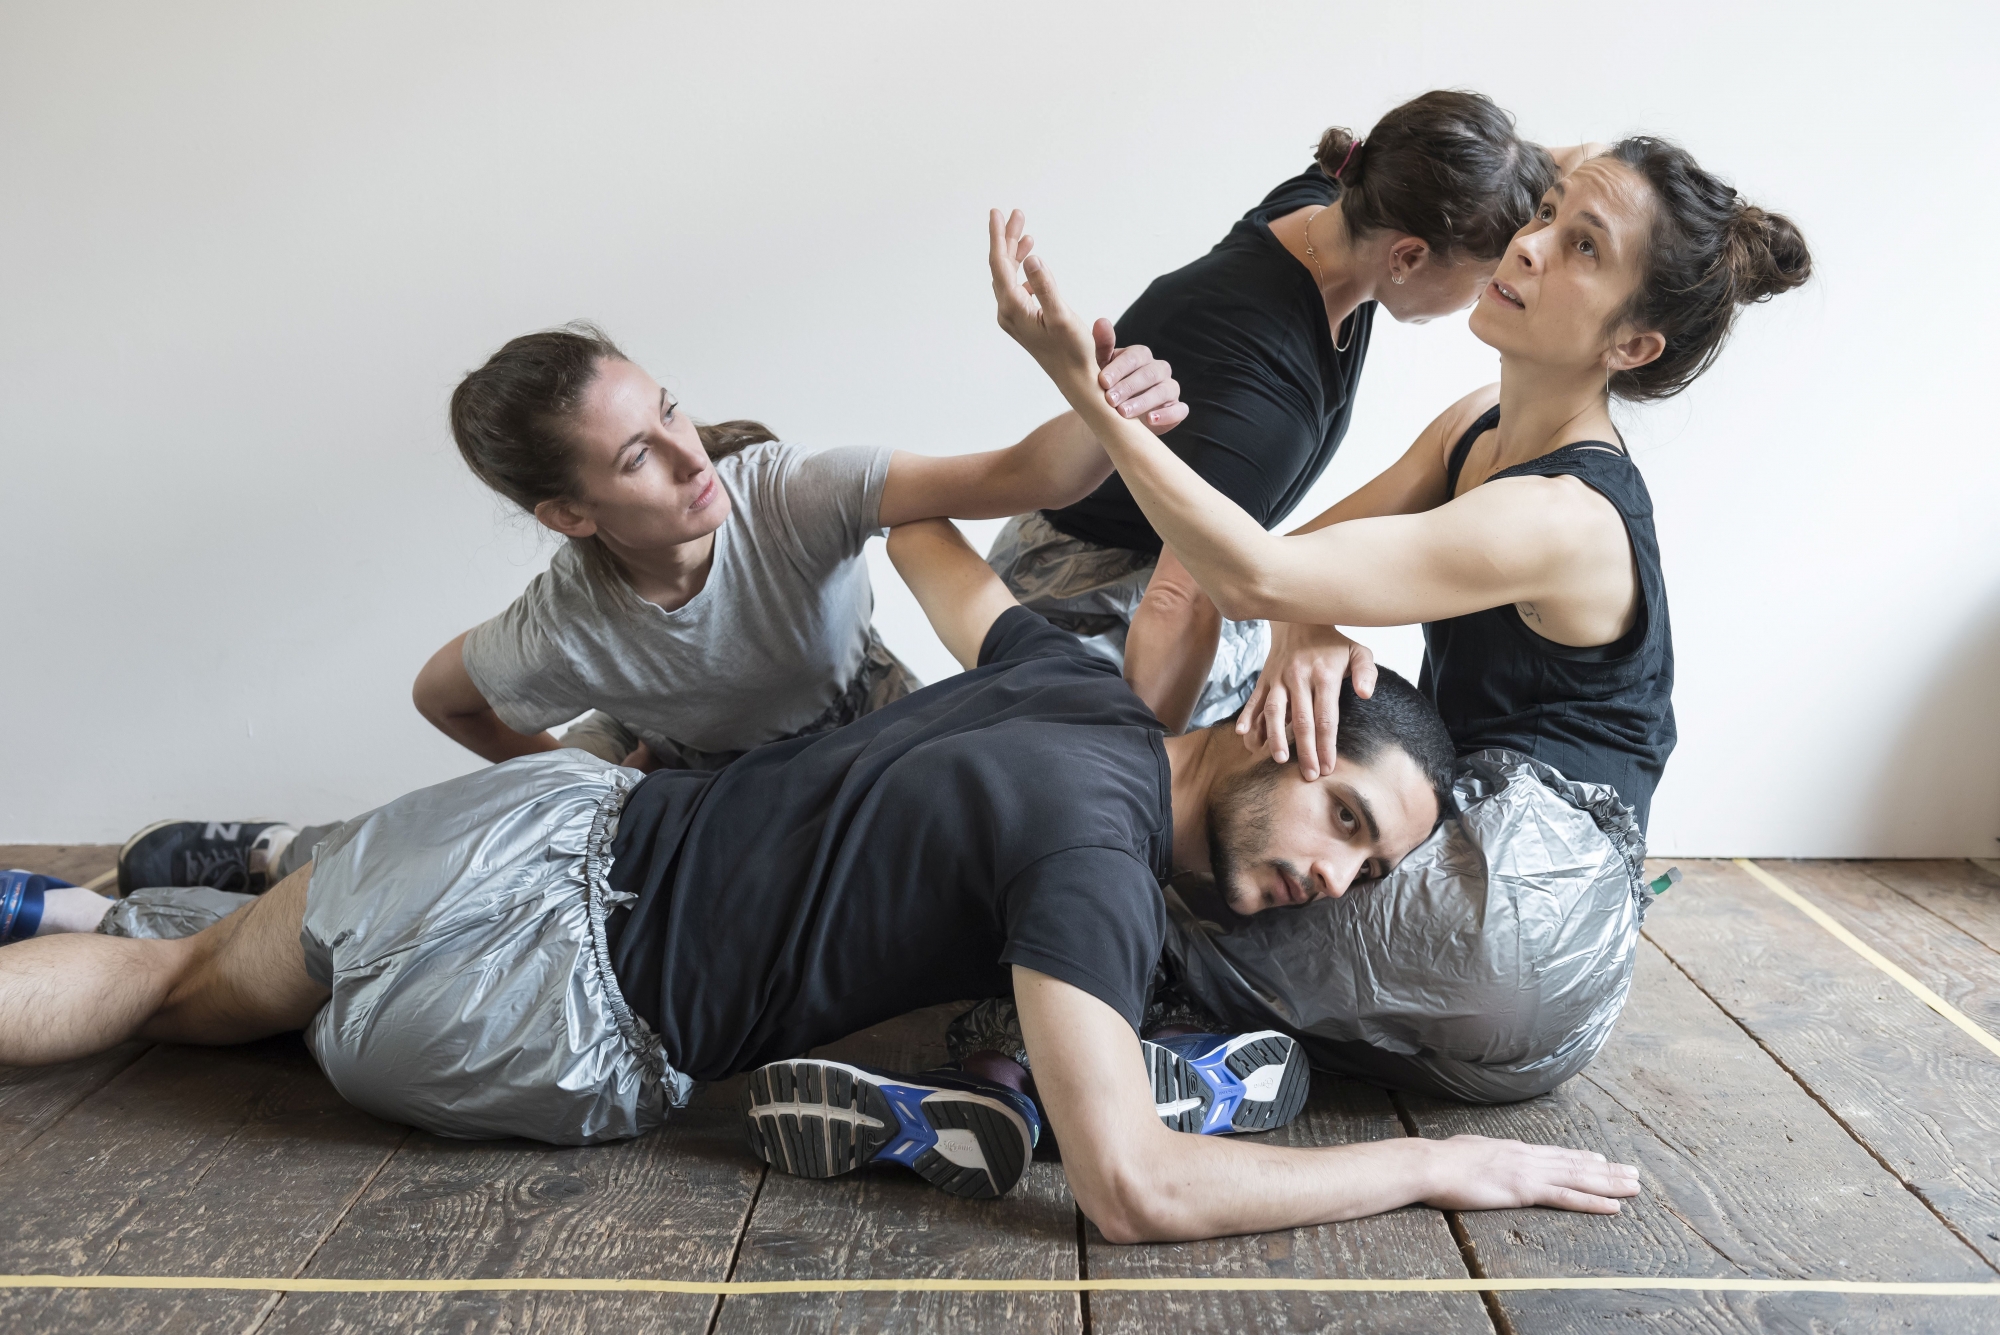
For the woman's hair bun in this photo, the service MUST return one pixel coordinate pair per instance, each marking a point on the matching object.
(1709, 255)
(1335, 147)
(1766, 254)
(1445, 167)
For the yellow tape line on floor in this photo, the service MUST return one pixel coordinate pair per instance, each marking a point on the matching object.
(1872, 955)
(1989, 1289)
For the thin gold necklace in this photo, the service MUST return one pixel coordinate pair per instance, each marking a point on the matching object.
(1348, 323)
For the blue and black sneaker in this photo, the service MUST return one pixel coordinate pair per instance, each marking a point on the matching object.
(1215, 1084)
(816, 1118)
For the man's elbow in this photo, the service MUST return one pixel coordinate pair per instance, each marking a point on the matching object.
(1129, 1207)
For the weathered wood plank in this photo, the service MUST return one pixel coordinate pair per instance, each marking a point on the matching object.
(207, 1161)
(669, 1205)
(72, 862)
(1963, 893)
(1955, 964)
(890, 1224)
(1744, 1174)
(1415, 1243)
(1918, 1091)
(33, 1097)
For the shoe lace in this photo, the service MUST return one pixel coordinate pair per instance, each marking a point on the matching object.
(219, 868)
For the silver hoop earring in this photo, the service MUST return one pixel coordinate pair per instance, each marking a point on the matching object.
(1398, 279)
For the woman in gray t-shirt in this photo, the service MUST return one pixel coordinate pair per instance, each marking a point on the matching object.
(712, 595)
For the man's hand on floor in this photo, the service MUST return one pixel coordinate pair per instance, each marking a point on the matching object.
(1479, 1173)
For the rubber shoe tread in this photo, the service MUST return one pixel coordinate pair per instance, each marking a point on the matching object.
(814, 1118)
(1185, 1096)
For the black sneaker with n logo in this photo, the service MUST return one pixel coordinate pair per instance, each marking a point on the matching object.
(237, 855)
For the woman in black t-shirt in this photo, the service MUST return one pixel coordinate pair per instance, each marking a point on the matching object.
(1266, 335)
(1516, 528)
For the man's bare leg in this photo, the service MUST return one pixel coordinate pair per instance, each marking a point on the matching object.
(243, 978)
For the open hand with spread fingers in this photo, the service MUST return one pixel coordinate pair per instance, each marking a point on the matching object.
(1479, 1173)
(1031, 310)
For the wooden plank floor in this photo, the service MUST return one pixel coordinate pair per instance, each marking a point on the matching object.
(1795, 1114)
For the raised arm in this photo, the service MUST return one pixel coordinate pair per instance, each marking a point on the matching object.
(956, 588)
(1139, 1182)
(1057, 464)
(445, 694)
(1497, 544)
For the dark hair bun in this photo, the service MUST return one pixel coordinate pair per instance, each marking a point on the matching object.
(1709, 255)
(1766, 254)
(1445, 167)
(1333, 150)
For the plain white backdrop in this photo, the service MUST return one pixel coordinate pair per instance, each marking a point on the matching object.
(249, 248)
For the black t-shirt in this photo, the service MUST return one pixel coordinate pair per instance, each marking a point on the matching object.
(1268, 396)
(1019, 813)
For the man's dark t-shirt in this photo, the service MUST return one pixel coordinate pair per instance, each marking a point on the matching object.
(1019, 813)
(1268, 396)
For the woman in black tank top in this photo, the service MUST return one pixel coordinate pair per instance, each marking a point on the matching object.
(1516, 528)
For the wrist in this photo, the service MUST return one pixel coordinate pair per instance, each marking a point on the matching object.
(1427, 1169)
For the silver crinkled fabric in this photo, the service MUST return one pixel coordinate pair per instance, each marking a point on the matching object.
(461, 929)
(1489, 966)
(167, 913)
(1092, 591)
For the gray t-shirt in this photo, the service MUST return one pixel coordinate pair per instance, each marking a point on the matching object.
(761, 653)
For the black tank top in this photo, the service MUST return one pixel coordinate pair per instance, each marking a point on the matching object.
(1600, 715)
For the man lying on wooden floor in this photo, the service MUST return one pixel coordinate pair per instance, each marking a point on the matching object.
(547, 949)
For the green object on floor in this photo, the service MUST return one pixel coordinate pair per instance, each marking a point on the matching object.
(1664, 882)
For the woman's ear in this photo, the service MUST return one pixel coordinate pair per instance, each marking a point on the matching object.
(1635, 350)
(1406, 256)
(561, 517)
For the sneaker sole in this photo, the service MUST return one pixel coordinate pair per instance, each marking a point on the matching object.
(1262, 1080)
(814, 1118)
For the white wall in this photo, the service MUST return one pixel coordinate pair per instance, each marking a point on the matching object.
(248, 249)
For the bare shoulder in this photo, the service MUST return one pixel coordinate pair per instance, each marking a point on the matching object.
(1559, 512)
(1455, 421)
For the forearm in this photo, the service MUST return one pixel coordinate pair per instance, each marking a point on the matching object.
(1056, 464)
(1205, 1187)
(957, 590)
(1227, 551)
(1171, 643)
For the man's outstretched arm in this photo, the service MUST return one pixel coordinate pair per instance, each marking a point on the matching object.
(956, 588)
(1139, 1182)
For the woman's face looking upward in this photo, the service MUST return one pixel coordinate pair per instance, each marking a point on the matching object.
(1557, 296)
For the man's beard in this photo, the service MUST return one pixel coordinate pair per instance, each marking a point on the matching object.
(1239, 830)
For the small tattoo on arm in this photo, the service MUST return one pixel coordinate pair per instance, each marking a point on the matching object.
(1528, 611)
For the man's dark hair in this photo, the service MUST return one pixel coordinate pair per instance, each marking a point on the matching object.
(1398, 715)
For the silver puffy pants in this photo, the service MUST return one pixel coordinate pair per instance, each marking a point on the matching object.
(1092, 591)
(461, 930)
